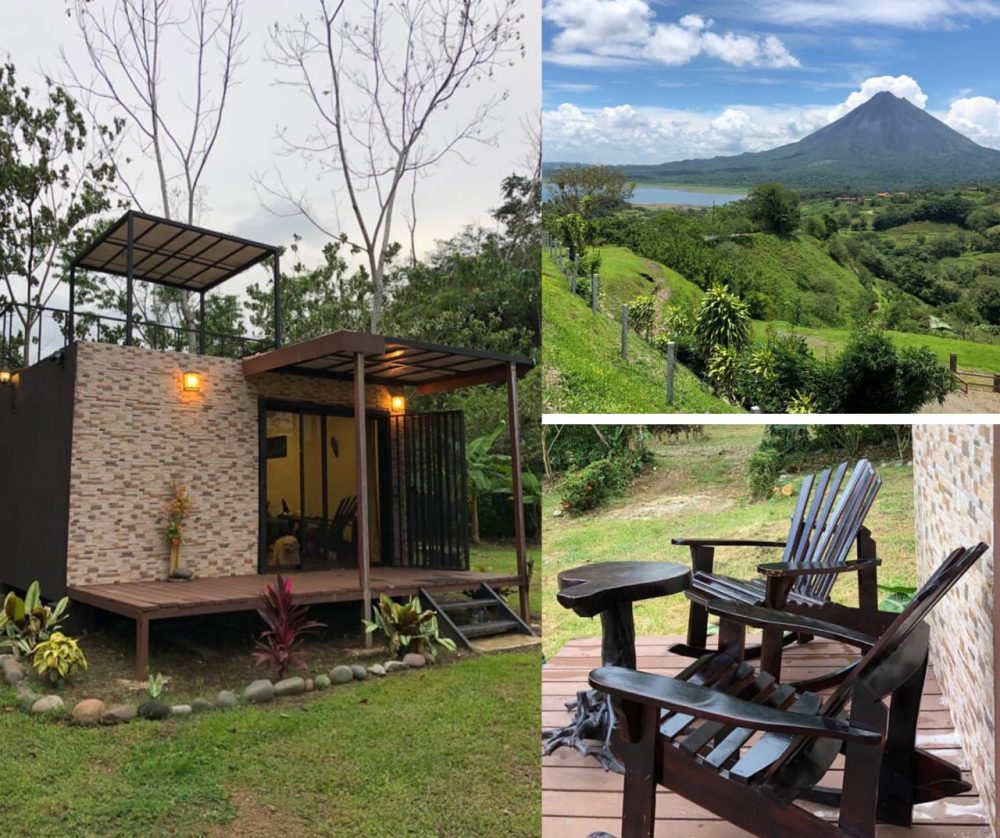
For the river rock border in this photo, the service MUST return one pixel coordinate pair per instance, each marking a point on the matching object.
(92, 712)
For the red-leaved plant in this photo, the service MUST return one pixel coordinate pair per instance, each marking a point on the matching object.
(286, 626)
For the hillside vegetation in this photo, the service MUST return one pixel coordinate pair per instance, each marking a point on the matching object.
(625, 276)
(584, 371)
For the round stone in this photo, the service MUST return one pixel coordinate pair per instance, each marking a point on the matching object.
(153, 710)
(88, 712)
(377, 670)
(13, 671)
(341, 674)
(414, 660)
(259, 692)
(225, 700)
(201, 705)
(290, 686)
(46, 704)
(359, 672)
(118, 715)
(395, 666)
(180, 710)
(310, 685)
(322, 682)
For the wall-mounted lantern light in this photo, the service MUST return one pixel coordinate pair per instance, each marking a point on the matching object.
(6, 378)
(191, 382)
(399, 404)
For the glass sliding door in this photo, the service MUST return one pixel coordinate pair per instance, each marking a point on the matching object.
(310, 488)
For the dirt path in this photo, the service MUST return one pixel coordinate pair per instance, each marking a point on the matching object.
(662, 294)
(975, 401)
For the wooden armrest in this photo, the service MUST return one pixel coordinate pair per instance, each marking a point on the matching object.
(795, 569)
(759, 617)
(724, 542)
(706, 703)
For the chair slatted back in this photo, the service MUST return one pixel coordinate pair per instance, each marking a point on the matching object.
(940, 582)
(835, 526)
(797, 531)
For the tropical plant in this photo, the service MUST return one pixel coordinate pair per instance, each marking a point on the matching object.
(286, 628)
(723, 366)
(407, 627)
(899, 597)
(155, 686)
(802, 403)
(723, 319)
(641, 315)
(58, 658)
(177, 509)
(27, 622)
(487, 473)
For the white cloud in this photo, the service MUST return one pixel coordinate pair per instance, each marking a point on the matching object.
(978, 117)
(910, 14)
(628, 30)
(627, 134)
(903, 86)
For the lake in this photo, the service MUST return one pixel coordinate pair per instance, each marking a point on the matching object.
(661, 195)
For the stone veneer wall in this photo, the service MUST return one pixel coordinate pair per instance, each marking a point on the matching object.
(953, 471)
(135, 430)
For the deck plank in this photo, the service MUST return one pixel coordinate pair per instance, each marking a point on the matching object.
(579, 797)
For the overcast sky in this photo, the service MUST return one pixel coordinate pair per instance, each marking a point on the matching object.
(646, 81)
(456, 193)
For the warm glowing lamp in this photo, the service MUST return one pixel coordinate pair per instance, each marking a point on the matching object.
(192, 382)
(399, 404)
(6, 377)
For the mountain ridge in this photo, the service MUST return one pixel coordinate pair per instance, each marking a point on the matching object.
(885, 143)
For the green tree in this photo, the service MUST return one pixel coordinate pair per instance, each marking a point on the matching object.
(52, 180)
(591, 190)
(986, 298)
(774, 209)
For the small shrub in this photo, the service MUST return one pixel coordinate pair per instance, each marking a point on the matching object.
(407, 627)
(723, 319)
(592, 485)
(287, 626)
(155, 686)
(24, 623)
(762, 472)
(58, 658)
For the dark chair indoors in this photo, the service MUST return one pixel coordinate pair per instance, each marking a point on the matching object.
(820, 535)
(736, 742)
(343, 519)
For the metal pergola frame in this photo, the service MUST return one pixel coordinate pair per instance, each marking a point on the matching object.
(186, 246)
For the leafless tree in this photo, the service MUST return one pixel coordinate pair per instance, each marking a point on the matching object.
(382, 76)
(173, 114)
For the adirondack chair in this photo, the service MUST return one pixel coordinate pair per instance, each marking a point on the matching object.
(819, 539)
(344, 517)
(687, 733)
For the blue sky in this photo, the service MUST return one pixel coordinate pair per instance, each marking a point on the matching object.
(651, 81)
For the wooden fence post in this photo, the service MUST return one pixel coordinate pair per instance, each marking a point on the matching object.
(953, 362)
(625, 331)
(595, 285)
(671, 364)
(996, 383)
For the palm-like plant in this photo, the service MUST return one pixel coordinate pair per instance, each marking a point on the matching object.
(487, 473)
(723, 319)
(286, 627)
(24, 623)
(408, 627)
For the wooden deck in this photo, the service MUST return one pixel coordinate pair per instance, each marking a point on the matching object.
(161, 600)
(579, 797)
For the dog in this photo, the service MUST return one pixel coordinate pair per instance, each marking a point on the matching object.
(286, 552)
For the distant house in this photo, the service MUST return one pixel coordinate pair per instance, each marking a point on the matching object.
(939, 326)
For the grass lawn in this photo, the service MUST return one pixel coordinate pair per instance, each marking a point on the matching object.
(697, 487)
(583, 370)
(622, 280)
(984, 357)
(449, 751)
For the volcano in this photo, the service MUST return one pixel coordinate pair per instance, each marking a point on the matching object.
(886, 143)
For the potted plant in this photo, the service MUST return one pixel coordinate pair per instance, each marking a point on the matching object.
(177, 509)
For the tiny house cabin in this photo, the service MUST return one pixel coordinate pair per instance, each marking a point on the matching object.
(299, 458)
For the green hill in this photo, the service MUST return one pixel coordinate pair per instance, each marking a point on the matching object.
(583, 370)
(796, 279)
(625, 276)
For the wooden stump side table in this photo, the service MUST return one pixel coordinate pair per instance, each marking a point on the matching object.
(608, 589)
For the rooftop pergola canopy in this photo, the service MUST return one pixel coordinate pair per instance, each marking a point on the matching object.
(171, 253)
(174, 254)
